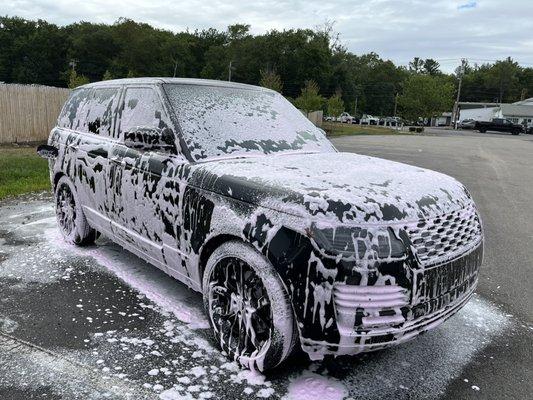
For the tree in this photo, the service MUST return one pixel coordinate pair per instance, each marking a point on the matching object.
(107, 76)
(309, 99)
(503, 76)
(431, 67)
(76, 80)
(271, 80)
(425, 96)
(416, 65)
(335, 105)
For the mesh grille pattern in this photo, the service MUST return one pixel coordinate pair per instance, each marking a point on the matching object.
(446, 237)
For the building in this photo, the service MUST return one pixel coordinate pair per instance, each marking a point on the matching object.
(445, 119)
(520, 112)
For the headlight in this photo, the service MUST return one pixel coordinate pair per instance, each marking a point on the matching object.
(353, 241)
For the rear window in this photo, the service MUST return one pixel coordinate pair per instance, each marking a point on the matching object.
(101, 113)
(74, 113)
(91, 110)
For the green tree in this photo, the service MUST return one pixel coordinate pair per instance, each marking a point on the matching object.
(309, 99)
(416, 66)
(425, 96)
(271, 80)
(335, 105)
(107, 76)
(431, 67)
(76, 80)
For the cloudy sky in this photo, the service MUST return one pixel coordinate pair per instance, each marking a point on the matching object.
(480, 30)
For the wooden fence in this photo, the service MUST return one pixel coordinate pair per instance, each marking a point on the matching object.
(28, 113)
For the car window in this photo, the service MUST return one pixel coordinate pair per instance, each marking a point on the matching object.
(223, 121)
(142, 108)
(74, 113)
(100, 116)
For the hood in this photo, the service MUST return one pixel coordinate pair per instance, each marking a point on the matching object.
(340, 187)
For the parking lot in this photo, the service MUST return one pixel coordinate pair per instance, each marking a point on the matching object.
(98, 322)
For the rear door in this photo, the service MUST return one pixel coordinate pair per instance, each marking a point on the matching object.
(96, 144)
(89, 122)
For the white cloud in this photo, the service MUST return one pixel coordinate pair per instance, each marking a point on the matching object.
(399, 30)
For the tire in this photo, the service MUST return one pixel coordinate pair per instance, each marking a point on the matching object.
(70, 217)
(244, 296)
(482, 131)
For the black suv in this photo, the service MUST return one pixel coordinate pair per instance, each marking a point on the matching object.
(231, 190)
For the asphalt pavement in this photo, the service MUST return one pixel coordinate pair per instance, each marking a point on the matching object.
(98, 322)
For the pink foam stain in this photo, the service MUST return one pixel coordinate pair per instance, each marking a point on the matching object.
(170, 295)
(311, 386)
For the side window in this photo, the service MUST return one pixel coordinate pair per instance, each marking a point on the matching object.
(142, 108)
(100, 117)
(74, 113)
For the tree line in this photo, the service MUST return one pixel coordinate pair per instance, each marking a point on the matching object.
(309, 66)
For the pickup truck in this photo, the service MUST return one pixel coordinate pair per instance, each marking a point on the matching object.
(499, 125)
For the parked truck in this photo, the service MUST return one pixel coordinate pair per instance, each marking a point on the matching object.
(499, 125)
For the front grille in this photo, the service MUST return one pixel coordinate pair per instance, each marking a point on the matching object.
(443, 238)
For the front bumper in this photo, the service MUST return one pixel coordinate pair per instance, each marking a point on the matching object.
(359, 342)
(375, 317)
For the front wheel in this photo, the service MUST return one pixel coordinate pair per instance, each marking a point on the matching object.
(69, 214)
(248, 307)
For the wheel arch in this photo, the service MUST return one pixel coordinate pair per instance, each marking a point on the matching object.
(56, 179)
(209, 247)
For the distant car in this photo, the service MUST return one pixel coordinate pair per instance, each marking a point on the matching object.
(230, 189)
(467, 123)
(329, 118)
(345, 118)
(369, 120)
(529, 130)
(499, 125)
(389, 121)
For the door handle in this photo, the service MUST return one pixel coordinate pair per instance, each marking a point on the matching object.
(117, 160)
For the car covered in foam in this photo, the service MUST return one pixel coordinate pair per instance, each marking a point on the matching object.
(231, 190)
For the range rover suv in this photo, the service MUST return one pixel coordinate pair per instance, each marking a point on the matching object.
(231, 190)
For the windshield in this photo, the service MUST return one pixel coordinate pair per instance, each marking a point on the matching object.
(225, 121)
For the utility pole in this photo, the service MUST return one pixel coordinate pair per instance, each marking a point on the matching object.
(175, 67)
(230, 68)
(72, 64)
(456, 107)
(395, 104)
(355, 107)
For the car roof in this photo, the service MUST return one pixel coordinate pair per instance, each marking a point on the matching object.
(180, 81)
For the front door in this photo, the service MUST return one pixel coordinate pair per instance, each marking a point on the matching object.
(143, 213)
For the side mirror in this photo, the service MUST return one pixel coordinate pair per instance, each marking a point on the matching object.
(47, 151)
(148, 138)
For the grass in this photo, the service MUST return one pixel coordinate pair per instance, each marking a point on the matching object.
(22, 171)
(339, 129)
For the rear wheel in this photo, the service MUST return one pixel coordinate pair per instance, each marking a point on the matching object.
(70, 218)
(248, 307)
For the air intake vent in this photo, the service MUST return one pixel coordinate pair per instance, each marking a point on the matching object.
(369, 306)
(369, 297)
